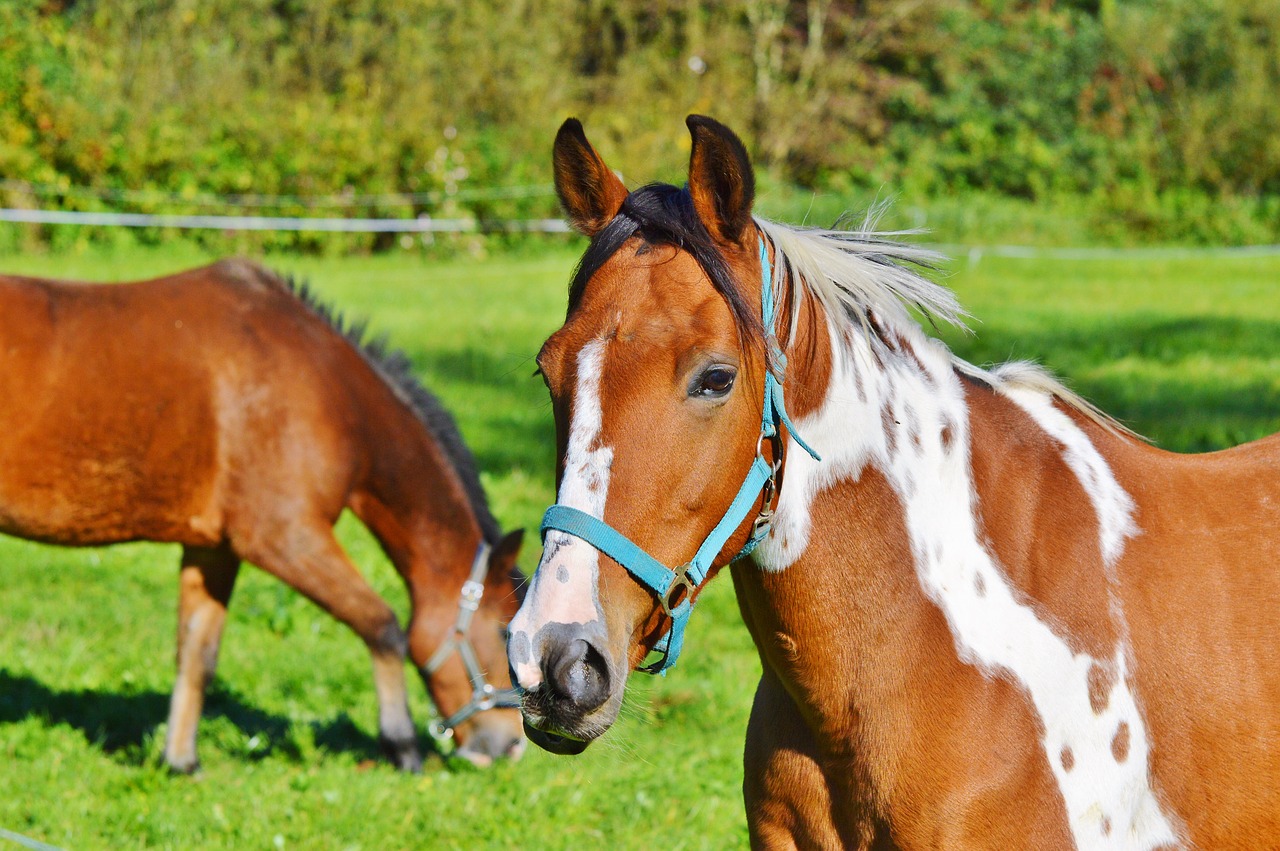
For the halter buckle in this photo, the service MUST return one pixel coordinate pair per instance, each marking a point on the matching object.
(679, 580)
(472, 592)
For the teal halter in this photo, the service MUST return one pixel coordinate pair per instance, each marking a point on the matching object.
(675, 588)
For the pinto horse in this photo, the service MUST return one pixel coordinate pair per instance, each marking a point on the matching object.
(987, 615)
(227, 410)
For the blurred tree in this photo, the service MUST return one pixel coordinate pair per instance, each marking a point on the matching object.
(1133, 103)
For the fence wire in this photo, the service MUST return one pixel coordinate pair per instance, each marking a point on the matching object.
(426, 224)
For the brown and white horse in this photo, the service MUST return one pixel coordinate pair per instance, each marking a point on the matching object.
(229, 411)
(988, 617)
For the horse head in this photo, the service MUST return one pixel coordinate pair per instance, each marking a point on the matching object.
(657, 381)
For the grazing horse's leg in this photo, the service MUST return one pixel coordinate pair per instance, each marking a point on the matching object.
(787, 796)
(309, 558)
(208, 575)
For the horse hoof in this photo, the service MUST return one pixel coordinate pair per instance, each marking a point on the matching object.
(183, 767)
(403, 755)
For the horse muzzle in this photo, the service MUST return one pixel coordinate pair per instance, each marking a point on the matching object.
(577, 697)
(495, 737)
(554, 742)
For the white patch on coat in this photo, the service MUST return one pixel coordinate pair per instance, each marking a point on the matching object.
(563, 589)
(895, 423)
(1113, 505)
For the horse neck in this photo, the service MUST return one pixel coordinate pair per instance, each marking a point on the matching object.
(414, 501)
(951, 555)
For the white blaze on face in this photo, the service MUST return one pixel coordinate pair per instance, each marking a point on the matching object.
(563, 590)
(912, 424)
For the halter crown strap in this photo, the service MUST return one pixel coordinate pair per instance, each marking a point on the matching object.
(775, 407)
(675, 588)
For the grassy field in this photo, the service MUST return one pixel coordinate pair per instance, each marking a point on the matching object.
(1186, 351)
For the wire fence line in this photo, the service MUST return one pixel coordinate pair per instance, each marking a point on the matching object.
(27, 841)
(974, 253)
(424, 224)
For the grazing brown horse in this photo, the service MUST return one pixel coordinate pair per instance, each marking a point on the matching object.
(228, 411)
(988, 617)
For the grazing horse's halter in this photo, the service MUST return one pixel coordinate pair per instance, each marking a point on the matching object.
(483, 694)
(675, 588)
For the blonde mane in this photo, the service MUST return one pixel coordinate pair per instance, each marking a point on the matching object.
(859, 272)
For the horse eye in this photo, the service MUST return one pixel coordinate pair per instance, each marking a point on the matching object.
(714, 383)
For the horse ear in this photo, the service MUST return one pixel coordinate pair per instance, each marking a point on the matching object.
(721, 181)
(505, 551)
(589, 191)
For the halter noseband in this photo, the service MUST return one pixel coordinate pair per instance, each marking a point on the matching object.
(675, 588)
(483, 694)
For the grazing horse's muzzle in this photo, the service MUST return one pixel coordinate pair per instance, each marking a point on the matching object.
(490, 742)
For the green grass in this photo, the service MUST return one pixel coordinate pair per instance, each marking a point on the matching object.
(1187, 352)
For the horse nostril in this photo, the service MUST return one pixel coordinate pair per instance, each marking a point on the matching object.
(579, 674)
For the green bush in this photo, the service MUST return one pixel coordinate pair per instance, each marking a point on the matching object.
(1159, 114)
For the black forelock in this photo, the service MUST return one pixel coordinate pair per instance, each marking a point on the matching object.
(664, 214)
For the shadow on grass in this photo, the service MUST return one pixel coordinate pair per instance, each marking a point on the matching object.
(124, 724)
(1172, 405)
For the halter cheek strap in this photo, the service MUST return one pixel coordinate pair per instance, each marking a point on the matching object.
(675, 588)
(483, 694)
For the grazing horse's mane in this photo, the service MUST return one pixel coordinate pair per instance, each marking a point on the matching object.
(854, 273)
(393, 366)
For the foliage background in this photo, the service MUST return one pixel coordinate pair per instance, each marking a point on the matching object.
(1148, 120)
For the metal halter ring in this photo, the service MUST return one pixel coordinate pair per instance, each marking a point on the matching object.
(765, 517)
(761, 524)
(680, 580)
